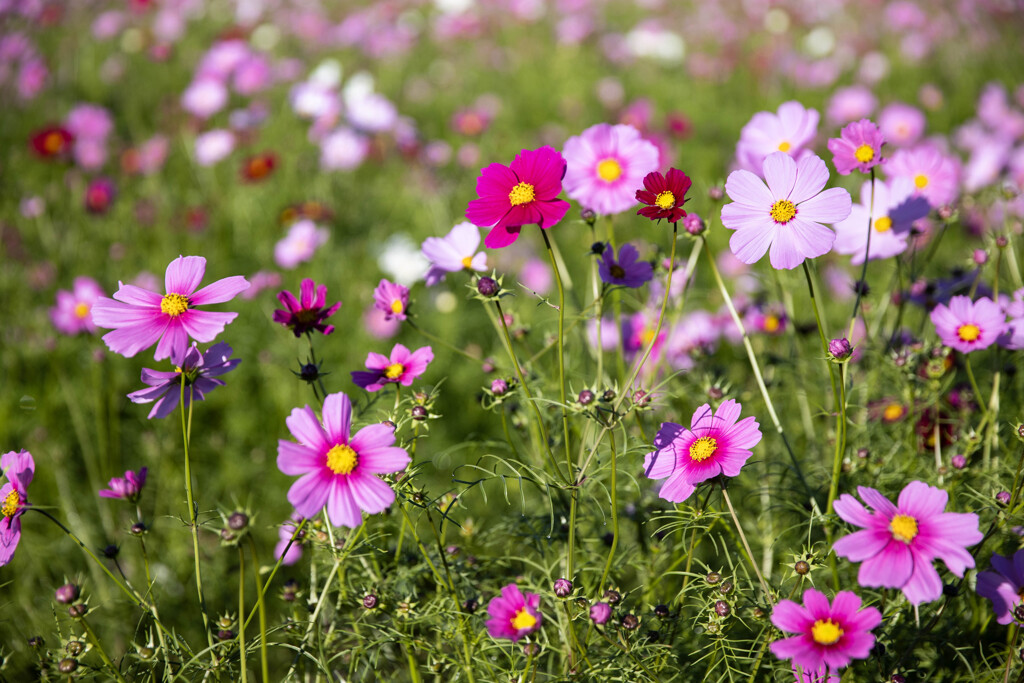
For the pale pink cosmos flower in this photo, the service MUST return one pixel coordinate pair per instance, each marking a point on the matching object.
(343, 150)
(901, 124)
(892, 213)
(791, 129)
(936, 175)
(606, 165)
(73, 312)
(204, 97)
(89, 121)
(969, 326)
(850, 104)
(214, 146)
(299, 245)
(141, 318)
(18, 468)
(336, 469)
(858, 147)
(128, 487)
(787, 214)
(454, 252)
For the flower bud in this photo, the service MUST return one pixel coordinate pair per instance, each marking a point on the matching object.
(1003, 497)
(370, 601)
(563, 588)
(499, 387)
(612, 596)
(487, 286)
(1002, 242)
(840, 349)
(78, 611)
(419, 413)
(67, 665)
(694, 224)
(958, 461)
(470, 606)
(801, 568)
(630, 622)
(980, 257)
(722, 608)
(67, 594)
(588, 216)
(586, 397)
(661, 611)
(74, 647)
(713, 578)
(225, 634)
(715, 193)
(138, 529)
(238, 521)
(600, 612)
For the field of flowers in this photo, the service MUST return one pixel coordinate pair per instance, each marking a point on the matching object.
(512, 340)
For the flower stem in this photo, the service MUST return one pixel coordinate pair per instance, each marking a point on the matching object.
(99, 648)
(261, 606)
(615, 517)
(186, 432)
(746, 546)
(561, 356)
(241, 611)
(438, 340)
(273, 572)
(867, 252)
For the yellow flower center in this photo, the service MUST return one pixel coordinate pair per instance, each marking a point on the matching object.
(523, 619)
(609, 170)
(703, 448)
(920, 181)
(826, 632)
(665, 200)
(396, 306)
(467, 262)
(53, 142)
(903, 527)
(893, 411)
(883, 224)
(394, 371)
(522, 193)
(864, 154)
(783, 211)
(646, 337)
(341, 459)
(771, 323)
(81, 310)
(968, 332)
(174, 304)
(784, 146)
(11, 503)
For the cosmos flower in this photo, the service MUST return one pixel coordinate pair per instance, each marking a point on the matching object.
(289, 554)
(73, 312)
(901, 124)
(893, 212)
(1004, 586)
(936, 176)
(213, 146)
(626, 270)
(52, 142)
(200, 370)
(829, 635)
(402, 368)
(664, 195)
(859, 146)
(258, 167)
(337, 470)
(392, 299)
(18, 468)
(789, 130)
(787, 215)
(524, 192)
(454, 252)
(605, 165)
(299, 245)
(128, 487)
(967, 326)
(100, 195)
(141, 318)
(899, 542)
(513, 615)
(714, 444)
(308, 312)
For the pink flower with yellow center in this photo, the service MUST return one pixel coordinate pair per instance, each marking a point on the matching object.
(790, 129)
(337, 470)
(606, 164)
(828, 635)
(936, 175)
(73, 312)
(18, 468)
(402, 367)
(392, 299)
(513, 615)
(967, 326)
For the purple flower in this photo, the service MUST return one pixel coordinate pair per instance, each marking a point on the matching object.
(830, 635)
(605, 166)
(454, 252)
(899, 542)
(402, 368)
(128, 487)
(967, 326)
(859, 146)
(1004, 586)
(19, 468)
(392, 299)
(626, 270)
(308, 312)
(141, 318)
(200, 371)
(787, 215)
(513, 615)
(73, 312)
(600, 613)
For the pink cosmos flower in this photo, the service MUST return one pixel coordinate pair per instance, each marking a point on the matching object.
(513, 615)
(936, 176)
(789, 130)
(392, 299)
(402, 368)
(664, 195)
(605, 166)
(714, 444)
(213, 146)
(289, 554)
(73, 312)
(787, 215)
(128, 487)
(1004, 586)
(308, 312)
(204, 97)
(899, 542)
(200, 370)
(343, 150)
(454, 252)
(859, 146)
(336, 470)
(19, 468)
(967, 326)
(141, 318)
(524, 192)
(299, 245)
(851, 103)
(901, 124)
(893, 212)
(829, 635)
(626, 270)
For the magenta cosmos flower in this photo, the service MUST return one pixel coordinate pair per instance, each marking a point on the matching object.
(664, 195)
(141, 318)
(1004, 586)
(858, 147)
(626, 270)
(201, 372)
(787, 215)
(308, 312)
(513, 615)
(402, 368)
(454, 252)
(892, 213)
(606, 164)
(714, 444)
(967, 326)
(829, 635)
(392, 299)
(73, 312)
(789, 130)
(19, 468)
(128, 487)
(335, 470)
(524, 192)
(899, 542)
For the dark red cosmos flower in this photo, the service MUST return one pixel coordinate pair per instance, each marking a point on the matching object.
(52, 141)
(257, 168)
(664, 196)
(307, 312)
(100, 195)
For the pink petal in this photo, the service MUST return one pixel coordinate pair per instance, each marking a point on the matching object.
(660, 464)
(295, 459)
(383, 460)
(308, 495)
(184, 274)
(745, 434)
(785, 252)
(303, 425)
(137, 296)
(676, 489)
(890, 568)
(220, 291)
(174, 341)
(924, 585)
(817, 604)
(372, 437)
(337, 415)
(204, 326)
(341, 506)
(812, 239)
(792, 617)
(877, 501)
(746, 188)
(861, 545)
(811, 176)
(831, 206)
(727, 414)
(552, 211)
(371, 494)
(797, 649)
(500, 237)
(749, 245)
(780, 174)
(921, 501)
(737, 216)
(128, 341)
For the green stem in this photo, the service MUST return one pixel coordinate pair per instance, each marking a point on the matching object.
(273, 572)
(186, 431)
(99, 648)
(261, 606)
(241, 611)
(615, 518)
(867, 252)
(438, 340)
(746, 546)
